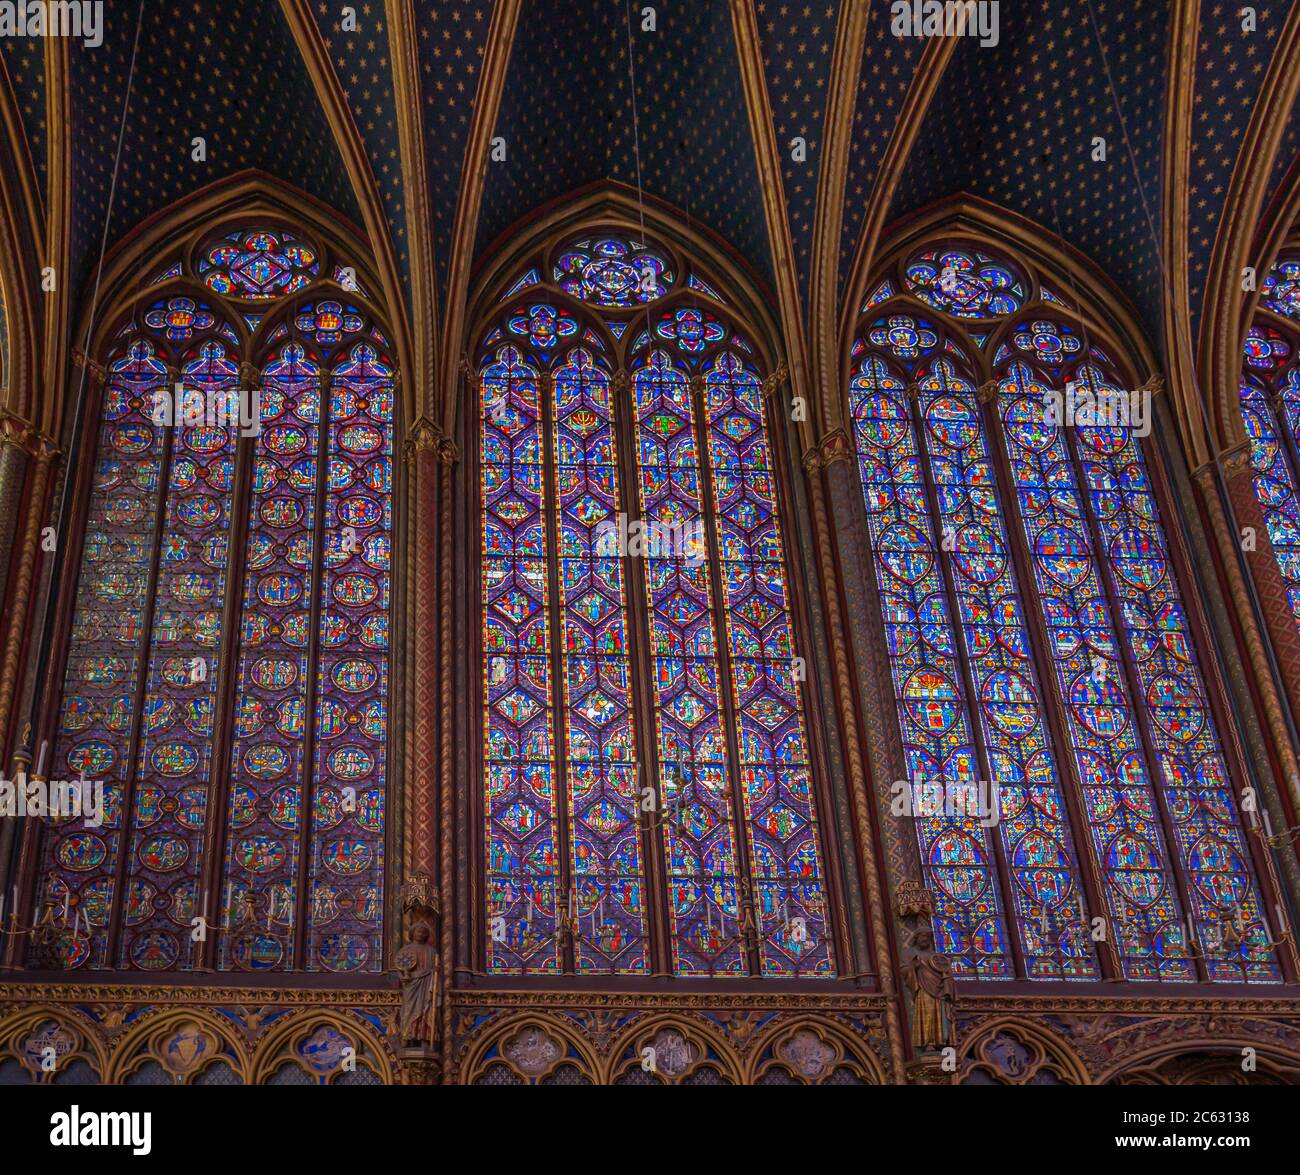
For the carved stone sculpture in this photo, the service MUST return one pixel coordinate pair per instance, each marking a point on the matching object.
(417, 965)
(928, 976)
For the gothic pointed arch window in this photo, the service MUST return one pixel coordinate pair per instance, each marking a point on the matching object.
(227, 676)
(1270, 409)
(649, 804)
(1073, 801)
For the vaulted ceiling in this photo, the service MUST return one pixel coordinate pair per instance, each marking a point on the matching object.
(390, 123)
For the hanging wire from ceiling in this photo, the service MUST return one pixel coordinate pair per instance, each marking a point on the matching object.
(71, 465)
(636, 150)
(1167, 289)
(1080, 316)
(1166, 280)
(1184, 332)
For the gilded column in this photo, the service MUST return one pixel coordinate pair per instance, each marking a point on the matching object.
(837, 529)
(420, 839)
(39, 460)
(866, 631)
(1270, 589)
(23, 571)
(427, 839)
(15, 448)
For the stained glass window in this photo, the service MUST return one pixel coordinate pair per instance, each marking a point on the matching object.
(1270, 408)
(258, 265)
(964, 283)
(228, 677)
(610, 271)
(1045, 668)
(1281, 291)
(1274, 475)
(647, 770)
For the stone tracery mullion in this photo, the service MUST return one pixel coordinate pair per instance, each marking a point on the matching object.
(1177, 717)
(723, 926)
(195, 621)
(770, 735)
(260, 886)
(996, 667)
(601, 744)
(516, 584)
(126, 426)
(1093, 699)
(184, 645)
(1091, 868)
(699, 793)
(340, 907)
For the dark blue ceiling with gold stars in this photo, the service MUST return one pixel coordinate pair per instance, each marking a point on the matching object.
(569, 118)
(24, 61)
(797, 42)
(888, 66)
(1043, 89)
(230, 73)
(451, 37)
(590, 95)
(1230, 68)
(1288, 158)
(361, 64)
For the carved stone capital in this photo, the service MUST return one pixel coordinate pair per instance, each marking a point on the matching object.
(776, 379)
(1203, 475)
(97, 371)
(426, 437)
(1235, 461)
(912, 900)
(421, 437)
(928, 1070)
(1154, 386)
(17, 433)
(421, 1066)
(46, 450)
(836, 445)
(988, 392)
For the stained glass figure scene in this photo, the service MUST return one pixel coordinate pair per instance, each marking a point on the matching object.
(649, 801)
(1270, 409)
(1068, 784)
(228, 675)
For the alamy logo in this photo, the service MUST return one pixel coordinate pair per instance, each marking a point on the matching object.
(78, 1127)
(179, 406)
(64, 799)
(953, 18)
(1082, 407)
(650, 539)
(54, 18)
(973, 799)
